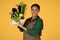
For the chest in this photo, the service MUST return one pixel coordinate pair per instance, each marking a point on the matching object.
(30, 24)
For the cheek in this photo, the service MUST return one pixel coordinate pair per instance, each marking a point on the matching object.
(34, 13)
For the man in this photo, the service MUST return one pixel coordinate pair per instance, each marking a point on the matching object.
(33, 26)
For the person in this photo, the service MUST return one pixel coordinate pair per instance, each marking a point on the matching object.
(32, 28)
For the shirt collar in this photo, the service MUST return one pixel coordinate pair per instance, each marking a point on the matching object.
(35, 18)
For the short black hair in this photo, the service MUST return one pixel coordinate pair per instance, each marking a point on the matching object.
(36, 5)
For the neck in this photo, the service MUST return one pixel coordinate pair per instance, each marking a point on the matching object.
(34, 17)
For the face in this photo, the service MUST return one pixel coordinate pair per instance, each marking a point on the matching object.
(34, 11)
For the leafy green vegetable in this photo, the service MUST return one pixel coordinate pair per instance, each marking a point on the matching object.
(20, 13)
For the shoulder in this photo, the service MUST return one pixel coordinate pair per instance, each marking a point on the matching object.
(40, 20)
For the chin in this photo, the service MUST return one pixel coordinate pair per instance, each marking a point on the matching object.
(33, 16)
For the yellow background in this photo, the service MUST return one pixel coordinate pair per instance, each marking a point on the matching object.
(50, 13)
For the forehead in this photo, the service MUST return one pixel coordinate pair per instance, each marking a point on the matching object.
(34, 7)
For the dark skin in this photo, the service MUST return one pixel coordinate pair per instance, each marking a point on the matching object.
(35, 12)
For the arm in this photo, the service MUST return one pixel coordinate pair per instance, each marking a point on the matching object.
(23, 25)
(20, 29)
(36, 29)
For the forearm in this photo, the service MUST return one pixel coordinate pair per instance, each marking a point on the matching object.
(20, 29)
(23, 27)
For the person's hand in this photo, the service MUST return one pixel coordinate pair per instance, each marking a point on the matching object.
(19, 24)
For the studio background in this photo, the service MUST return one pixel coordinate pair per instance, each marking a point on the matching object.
(49, 12)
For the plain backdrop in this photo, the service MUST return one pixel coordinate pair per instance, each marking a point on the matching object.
(49, 12)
